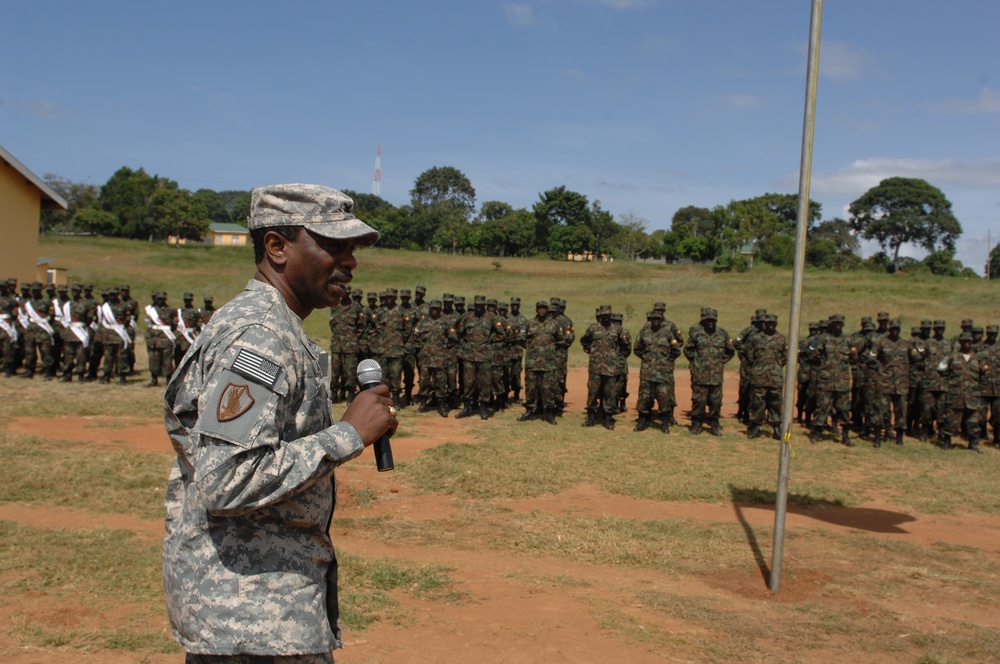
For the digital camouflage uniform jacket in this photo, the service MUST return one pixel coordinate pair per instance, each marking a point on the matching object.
(708, 354)
(658, 350)
(603, 343)
(833, 357)
(766, 354)
(248, 565)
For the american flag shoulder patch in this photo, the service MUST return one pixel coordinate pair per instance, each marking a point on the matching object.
(256, 368)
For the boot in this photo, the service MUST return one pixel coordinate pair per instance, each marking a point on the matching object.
(695, 427)
(753, 432)
(642, 423)
(609, 421)
(591, 418)
(349, 396)
(798, 416)
(549, 416)
(816, 435)
(974, 445)
(105, 379)
(408, 397)
(66, 378)
(395, 398)
(154, 381)
(425, 407)
(845, 436)
(465, 412)
(716, 430)
(121, 379)
(622, 408)
(443, 410)
(776, 431)
(878, 437)
(484, 412)
(528, 414)
(670, 417)
(665, 424)
(996, 438)
(946, 441)
(334, 396)
(29, 373)
(502, 402)
(807, 422)
(899, 436)
(922, 433)
(517, 397)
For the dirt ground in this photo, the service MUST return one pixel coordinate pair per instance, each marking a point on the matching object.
(512, 617)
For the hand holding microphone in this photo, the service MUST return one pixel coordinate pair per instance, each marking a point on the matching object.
(369, 377)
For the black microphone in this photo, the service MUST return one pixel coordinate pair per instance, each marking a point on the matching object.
(369, 376)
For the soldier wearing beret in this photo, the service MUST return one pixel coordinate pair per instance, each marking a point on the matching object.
(707, 350)
(248, 564)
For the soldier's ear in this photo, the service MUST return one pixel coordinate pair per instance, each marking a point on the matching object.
(275, 246)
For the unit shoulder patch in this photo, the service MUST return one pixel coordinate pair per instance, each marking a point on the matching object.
(234, 401)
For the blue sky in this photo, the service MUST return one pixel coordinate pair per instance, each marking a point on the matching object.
(645, 105)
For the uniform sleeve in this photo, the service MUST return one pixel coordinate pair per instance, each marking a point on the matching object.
(244, 451)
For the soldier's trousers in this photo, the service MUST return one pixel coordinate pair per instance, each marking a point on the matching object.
(961, 421)
(38, 346)
(74, 358)
(161, 357)
(478, 378)
(514, 369)
(115, 358)
(745, 390)
(540, 389)
(858, 405)
(802, 396)
(409, 372)
(343, 372)
(497, 385)
(836, 403)
(892, 406)
(913, 403)
(603, 389)
(451, 372)
(661, 392)
(392, 373)
(989, 413)
(932, 408)
(434, 383)
(8, 351)
(706, 402)
(765, 403)
(97, 352)
(621, 381)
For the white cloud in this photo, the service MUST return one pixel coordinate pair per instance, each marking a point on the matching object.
(842, 62)
(988, 102)
(49, 110)
(578, 75)
(863, 174)
(519, 14)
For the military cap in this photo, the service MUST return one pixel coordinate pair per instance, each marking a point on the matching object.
(323, 210)
(866, 319)
(654, 314)
(977, 328)
(541, 304)
(62, 288)
(836, 318)
(479, 299)
(357, 295)
(125, 287)
(813, 326)
(966, 322)
(420, 290)
(868, 325)
(381, 294)
(617, 318)
(883, 315)
(88, 287)
(50, 286)
(709, 314)
(208, 298)
(553, 301)
(914, 331)
(770, 318)
(895, 324)
(939, 323)
(515, 300)
(459, 299)
(993, 329)
(492, 302)
(604, 310)
(188, 296)
(12, 281)
(105, 292)
(113, 290)
(926, 322)
(449, 297)
(372, 295)
(391, 292)
(435, 304)
(965, 336)
(156, 293)
(660, 306)
(405, 292)
(36, 285)
(502, 306)
(760, 312)
(76, 287)
(347, 288)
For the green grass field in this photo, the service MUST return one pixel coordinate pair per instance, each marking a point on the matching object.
(856, 614)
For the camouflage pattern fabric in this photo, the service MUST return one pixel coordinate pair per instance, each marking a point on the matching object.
(658, 349)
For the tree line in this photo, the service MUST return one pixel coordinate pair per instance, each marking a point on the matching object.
(443, 215)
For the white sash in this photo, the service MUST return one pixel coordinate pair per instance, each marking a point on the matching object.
(109, 321)
(7, 327)
(80, 330)
(182, 326)
(153, 320)
(36, 319)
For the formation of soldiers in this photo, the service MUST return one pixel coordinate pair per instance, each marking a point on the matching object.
(879, 384)
(65, 332)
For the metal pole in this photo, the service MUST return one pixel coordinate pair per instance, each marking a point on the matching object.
(788, 394)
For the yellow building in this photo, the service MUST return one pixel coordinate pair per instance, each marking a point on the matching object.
(23, 195)
(228, 235)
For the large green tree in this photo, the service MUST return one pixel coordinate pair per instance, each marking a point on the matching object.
(178, 213)
(560, 207)
(902, 211)
(443, 200)
(215, 206)
(78, 196)
(127, 195)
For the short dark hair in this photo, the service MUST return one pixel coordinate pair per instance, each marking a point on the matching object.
(290, 233)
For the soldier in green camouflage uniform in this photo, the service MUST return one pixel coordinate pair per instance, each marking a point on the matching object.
(890, 358)
(602, 341)
(76, 336)
(918, 365)
(410, 351)
(859, 373)
(740, 344)
(248, 565)
(966, 326)
(515, 357)
(621, 378)
(161, 333)
(658, 345)
(541, 338)
(498, 385)
(436, 339)
(449, 314)
(767, 353)
(38, 334)
(347, 322)
(8, 328)
(132, 311)
(420, 311)
(989, 385)
(477, 332)
(872, 395)
(393, 329)
(188, 325)
(963, 372)
(569, 336)
(803, 373)
(933, 385)
(707, 350)
(833, 354)
(206, 312)
(115, 321)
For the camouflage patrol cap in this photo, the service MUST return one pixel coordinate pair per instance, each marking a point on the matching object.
(459, 299)
(420, 290)
(770, 318)
(188, 296)
(914, 331)
(866, 319)
(604, 310)
(88, 287)
(992, 329)
(868, 326)
(977, 329)
(157, 293)
(405, 293)
(926, 322)
(449, 297)
(654, 314)
(883, 315)
(709, 314)
(966, 322)
(492, 302)
(36, 285)
(760, 312)
(347, 288)
(502, 306)
(553, 301)
(390, 292)
(813, 326)
(939, 323)
(323, 210)
(965, 336)
(541, 304)
(660, 306)
(357, 295)
(835, 318)
(12, 281)
(113, 290)
(435, 304)
(617, 318)
(515, 300)
(209, 298)
(77, 287)
(895, 324)
(372, 295)
(62, 288)
(125, 287)
(479, 299)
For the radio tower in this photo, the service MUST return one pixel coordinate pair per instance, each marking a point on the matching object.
(377, 180)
